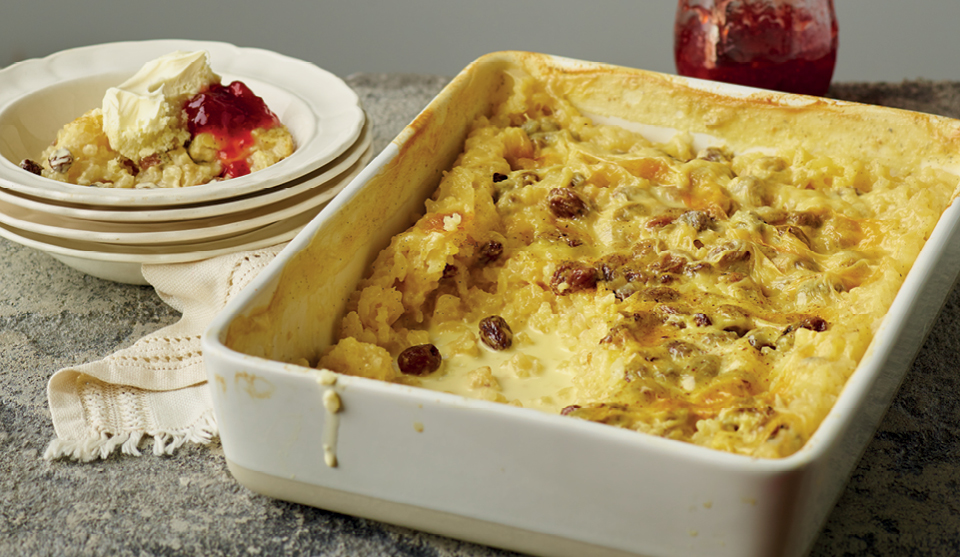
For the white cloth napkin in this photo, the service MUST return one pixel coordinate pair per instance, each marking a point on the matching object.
(157, 387)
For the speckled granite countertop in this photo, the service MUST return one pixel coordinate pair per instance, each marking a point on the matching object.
(903, 498)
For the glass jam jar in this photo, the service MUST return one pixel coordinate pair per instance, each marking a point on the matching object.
(785, 45)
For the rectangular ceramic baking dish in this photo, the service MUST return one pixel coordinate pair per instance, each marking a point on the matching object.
(517, 478)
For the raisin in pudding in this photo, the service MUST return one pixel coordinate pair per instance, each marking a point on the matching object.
(173, 124)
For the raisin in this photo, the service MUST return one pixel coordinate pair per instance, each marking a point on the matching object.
(698, 220)
(576, 276)
(665, 218)
(489, 252)
(31, 166)
(680, 349)
(661, 294)
(617, 334)
(733, 257)
(609, 267)
(422, 359)
(646, 319)
(670, 263)
(812, 322)
(636, 326)
(61, 160)
(130, 166)
(698, 267)
(565, 203)
(151, 160)
(495, 333)
(804, 218)
(497, 177)
(607, 272)
(713, 154)
(583, 279)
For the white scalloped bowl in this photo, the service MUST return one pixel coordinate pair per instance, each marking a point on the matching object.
(39, 96)
(111, 258)
(111, 232)
(316, 192)
(190, 212)
(123, 263)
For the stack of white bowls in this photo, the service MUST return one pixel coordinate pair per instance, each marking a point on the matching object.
(111, 232)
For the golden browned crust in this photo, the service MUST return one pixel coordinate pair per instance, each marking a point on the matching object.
(718, 290)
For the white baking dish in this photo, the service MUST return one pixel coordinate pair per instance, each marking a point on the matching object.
(517, 478)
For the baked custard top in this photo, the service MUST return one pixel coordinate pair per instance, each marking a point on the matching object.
(703, 295)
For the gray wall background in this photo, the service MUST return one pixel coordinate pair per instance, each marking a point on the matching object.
(880, 40)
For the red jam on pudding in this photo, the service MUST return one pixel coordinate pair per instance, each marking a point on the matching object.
(231, 114)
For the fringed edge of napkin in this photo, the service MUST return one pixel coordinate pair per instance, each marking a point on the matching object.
(164, 442)
(156, 388)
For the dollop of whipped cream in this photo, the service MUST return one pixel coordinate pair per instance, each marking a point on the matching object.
(144, 114)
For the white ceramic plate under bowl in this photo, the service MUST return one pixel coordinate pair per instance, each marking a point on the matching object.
(125, 267)
(106, 213)
(39, 96)
(179, 231)
(121, 263)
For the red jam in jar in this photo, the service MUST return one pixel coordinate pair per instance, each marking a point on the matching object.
(230, 113)
(785, 45)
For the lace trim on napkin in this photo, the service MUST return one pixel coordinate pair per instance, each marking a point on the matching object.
(105, 404)
(157, 387)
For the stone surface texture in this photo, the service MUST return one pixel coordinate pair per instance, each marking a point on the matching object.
(902, 499)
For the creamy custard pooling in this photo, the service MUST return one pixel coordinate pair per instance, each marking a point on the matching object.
(712, 297)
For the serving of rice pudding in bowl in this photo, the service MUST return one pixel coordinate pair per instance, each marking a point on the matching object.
(170, 125)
